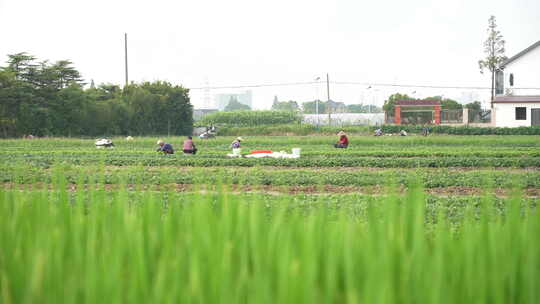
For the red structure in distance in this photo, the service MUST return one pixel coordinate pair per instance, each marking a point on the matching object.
(401, 104)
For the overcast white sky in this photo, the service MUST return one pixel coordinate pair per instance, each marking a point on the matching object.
(239, 42)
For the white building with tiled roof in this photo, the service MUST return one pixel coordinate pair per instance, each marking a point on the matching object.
(517, 89)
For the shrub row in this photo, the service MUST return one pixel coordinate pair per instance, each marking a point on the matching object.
(251, 118)
(290, 130)
(305, 129)
(463, 130)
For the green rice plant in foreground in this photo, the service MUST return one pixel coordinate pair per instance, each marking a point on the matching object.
(92, 246)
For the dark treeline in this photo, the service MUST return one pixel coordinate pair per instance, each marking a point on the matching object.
(49, 99)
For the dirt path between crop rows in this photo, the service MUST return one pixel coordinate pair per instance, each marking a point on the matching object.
(340, 169)
(277, 190)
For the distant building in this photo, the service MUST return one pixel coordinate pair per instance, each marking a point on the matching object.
(517, 100)
(516, 111)
(222, 100)
(423, 112)
(336, 106)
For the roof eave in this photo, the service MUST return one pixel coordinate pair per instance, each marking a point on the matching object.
(520, 54)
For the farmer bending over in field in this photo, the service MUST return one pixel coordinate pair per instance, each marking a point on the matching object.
(165, 148)
(343, 140)
(189, 146)
(236, 143)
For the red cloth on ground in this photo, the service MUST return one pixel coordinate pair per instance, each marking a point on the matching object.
(260, 151)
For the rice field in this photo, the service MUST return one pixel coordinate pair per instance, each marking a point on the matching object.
(445, 219)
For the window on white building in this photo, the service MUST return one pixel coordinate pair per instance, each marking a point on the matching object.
(499, 82)
(521, 113)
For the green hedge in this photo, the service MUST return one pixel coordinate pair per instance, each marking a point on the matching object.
(307, 129)
(463, 130)
(252, 118)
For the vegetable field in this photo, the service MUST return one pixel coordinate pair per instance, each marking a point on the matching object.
(439, 219)
(386, 152)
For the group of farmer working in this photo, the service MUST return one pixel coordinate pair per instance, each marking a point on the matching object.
(189, 146)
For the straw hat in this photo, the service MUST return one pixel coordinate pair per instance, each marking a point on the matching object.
(341, 133)
(239, 138)
(160, 142)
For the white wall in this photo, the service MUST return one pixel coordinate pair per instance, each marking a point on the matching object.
(526, 70)
(505, 114)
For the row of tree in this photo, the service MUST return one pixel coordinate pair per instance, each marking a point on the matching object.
(446, 103)
(339, 107)
(49, 99)
(323, 107)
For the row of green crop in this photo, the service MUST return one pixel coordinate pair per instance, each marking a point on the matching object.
(261, 142)
(282, 177)
(180, 160)
(306, 153)
(149, 247)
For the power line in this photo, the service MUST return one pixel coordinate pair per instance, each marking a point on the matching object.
(257, 85)
(260, 85)
(411, 85)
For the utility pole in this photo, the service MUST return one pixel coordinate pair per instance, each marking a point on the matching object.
(328, 98)
(126, 57)
(317, 99)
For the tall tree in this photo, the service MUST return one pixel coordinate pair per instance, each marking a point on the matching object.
(390, 103)
(65, 74)
(290, 105)
(474, 106)
(494, 50)
(446, 103)
(311, 107)
(20, 63)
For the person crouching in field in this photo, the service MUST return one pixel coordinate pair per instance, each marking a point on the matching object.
(236, 143)
(165, 148)
(189, 146)
(343, 141)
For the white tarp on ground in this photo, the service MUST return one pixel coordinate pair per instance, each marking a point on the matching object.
(340, 119)
(280, 154)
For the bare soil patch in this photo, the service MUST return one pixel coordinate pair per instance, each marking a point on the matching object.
(277, 190)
